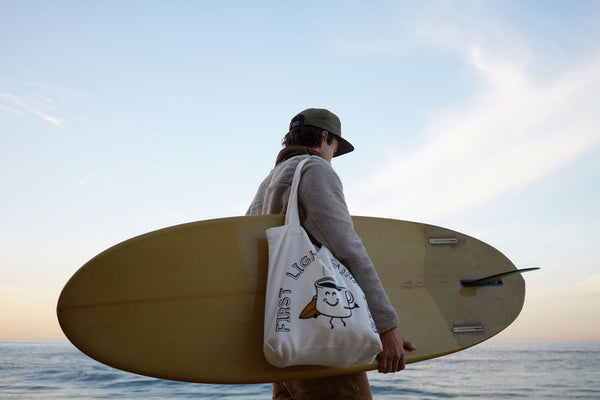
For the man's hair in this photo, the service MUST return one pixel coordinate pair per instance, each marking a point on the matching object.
(304, 135)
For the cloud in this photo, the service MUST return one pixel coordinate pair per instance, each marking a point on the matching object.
(513, 131)
(15, 105)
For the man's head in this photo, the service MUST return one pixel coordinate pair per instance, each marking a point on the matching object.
(306, 129)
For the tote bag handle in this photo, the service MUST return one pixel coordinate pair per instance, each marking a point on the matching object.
(291, 215)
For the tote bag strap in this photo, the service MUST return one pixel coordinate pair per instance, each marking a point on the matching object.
(291, 215)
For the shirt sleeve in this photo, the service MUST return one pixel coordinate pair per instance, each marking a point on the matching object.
(325, 216)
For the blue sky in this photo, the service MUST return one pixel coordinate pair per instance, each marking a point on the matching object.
(117, 118)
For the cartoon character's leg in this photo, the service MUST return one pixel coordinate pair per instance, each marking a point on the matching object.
(331, 322)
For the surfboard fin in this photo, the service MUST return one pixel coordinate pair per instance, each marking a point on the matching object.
(493, 280)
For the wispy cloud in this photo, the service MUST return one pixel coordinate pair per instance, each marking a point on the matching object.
(513, 131)
(26, 107)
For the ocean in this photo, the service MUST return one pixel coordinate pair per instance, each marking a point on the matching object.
(491, 370)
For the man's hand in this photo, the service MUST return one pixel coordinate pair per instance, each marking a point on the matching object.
(391, 359)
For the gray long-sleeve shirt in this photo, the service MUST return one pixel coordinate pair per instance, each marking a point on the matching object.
(325, 217)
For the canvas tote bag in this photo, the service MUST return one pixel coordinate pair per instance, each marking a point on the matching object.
(315, 312)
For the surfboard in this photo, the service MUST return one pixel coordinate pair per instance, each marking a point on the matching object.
(186, 303)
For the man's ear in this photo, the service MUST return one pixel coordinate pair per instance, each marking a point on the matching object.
(324, 135)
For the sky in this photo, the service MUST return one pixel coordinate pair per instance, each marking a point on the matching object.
(122, 117)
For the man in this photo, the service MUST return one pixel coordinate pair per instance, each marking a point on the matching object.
(316, 134)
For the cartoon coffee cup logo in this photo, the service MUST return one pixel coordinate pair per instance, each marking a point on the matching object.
(331, 301)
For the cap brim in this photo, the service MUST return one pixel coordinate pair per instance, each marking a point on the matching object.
(344, 147)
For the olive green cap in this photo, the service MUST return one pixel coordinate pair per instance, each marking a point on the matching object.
(326, 120)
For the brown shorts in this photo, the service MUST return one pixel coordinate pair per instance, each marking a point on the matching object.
(347, 387)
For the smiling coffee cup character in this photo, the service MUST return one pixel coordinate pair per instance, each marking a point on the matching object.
(333, 300)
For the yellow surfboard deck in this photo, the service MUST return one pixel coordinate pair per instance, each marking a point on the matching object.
(187, 302)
